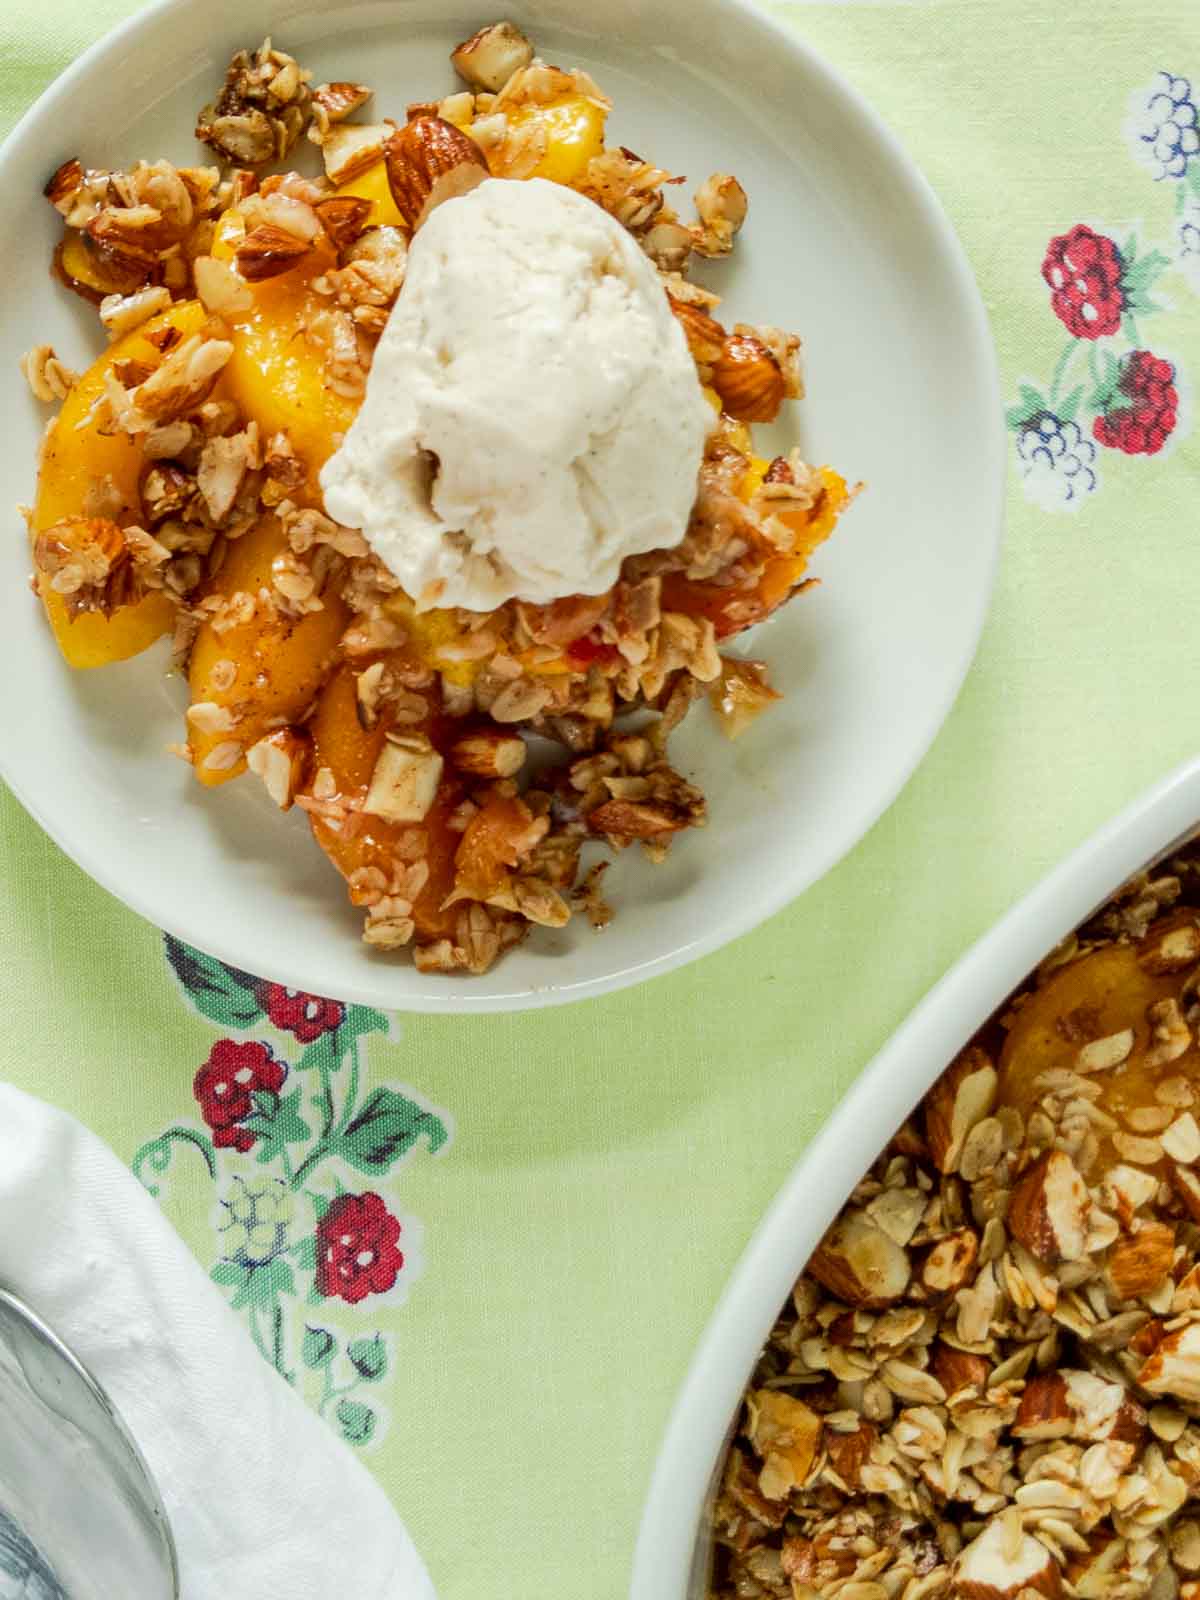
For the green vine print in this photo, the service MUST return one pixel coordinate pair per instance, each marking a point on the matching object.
(301, 1154)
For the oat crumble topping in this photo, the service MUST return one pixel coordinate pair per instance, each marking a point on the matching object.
(402, 736)
(986, 1383)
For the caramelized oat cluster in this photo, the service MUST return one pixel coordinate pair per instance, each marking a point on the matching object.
(178, 492)
(987, 1381)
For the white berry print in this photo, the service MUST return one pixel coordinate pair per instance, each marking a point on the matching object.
(1056, 461)
(1163, 127)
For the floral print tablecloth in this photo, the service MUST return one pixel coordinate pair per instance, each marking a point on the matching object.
(483, 1248)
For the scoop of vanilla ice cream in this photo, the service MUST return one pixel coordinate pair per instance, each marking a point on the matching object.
(532, 414)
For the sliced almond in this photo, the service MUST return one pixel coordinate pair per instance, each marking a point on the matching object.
(849, 1452)
(489, 58)
(959, 1369)
(281, 760)
(267, 251)
(429, 161)
(1187, 1292)
(405, 781)
(1138, 1263)
(1173, 1367)
(1170, 1036)
(64, 182)
(1171, 945)
(1044, 1412)
(207, 717)
(351, 147)
(748, 379)
(1049, 1209)
(962, 1096)
(1003, 1563)
(1187, 1186)
(219, 287)
(857, 1262)
(344, 218)
(704, 334)
(949, 1264)
(488, 753)
(1101, 1055)
(334, 102)
(787, 1435)
(1181, 1140)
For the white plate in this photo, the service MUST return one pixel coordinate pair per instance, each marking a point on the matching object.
(844, 243)
(847, 1145)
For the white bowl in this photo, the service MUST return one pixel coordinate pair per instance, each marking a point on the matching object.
(845, 242)
(672, 1544)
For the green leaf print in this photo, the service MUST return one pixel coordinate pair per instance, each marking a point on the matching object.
(356, 1421)
(318, 1347)
(277, 1122)
(386, 1128)
(223, 994)
(369, 1358)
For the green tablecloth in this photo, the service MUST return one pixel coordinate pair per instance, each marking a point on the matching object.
(598, 1169)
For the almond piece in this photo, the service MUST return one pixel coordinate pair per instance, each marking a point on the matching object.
(857, 1262)
(1187, 1186)
(1095, 1571)
(787, 1435)
(1171, 945)
(1173, 1367)
(1181, 1140)
(634, 819)
(1170, 1036)
(963, 1095)
(1043, 1412)
(344, 218)
(1148, 1337)
(405, 781)
(267, 251)
(948, 1265)
(849, 1452)
(218, 286)
(748, 379)
(488, 753)
(1126, 1190)
(281, 760)
(1138, 1263)
(1049, 1209)
(1101, 1055)
(430, 160)
(337, 101)
(1003, 1562)
(1100, 1410)
(63, 182)
(488, 59)
(351, 147)
(704, 334)
(959, 1369)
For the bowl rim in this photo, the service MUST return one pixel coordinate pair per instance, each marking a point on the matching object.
(431, 994)
(872, 1109)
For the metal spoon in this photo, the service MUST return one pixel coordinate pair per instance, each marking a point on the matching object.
(80, 1515)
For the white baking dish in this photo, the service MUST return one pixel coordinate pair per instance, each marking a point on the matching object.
(669, 1563)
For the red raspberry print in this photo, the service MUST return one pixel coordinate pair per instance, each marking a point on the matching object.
(224, 1086)
(1143, 420)
(1083, 269)
(306, 1016)
(357, 1251)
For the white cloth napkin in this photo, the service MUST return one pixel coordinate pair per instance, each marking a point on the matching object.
(264, 1501)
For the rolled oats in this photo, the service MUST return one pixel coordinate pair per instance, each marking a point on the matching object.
(1019, 1404)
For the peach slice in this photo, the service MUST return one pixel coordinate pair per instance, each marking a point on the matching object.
(349, 752)
(77, 455)
(260, 674)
